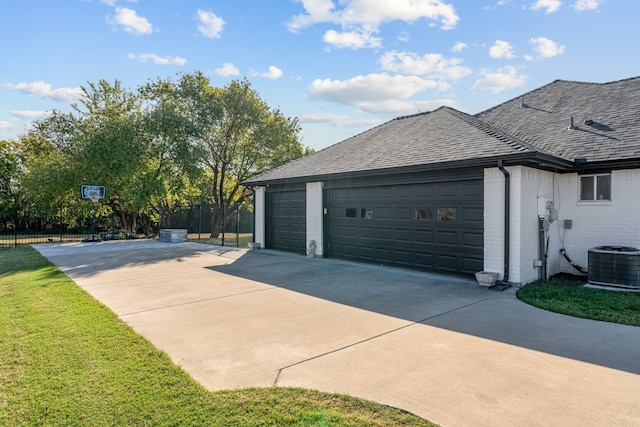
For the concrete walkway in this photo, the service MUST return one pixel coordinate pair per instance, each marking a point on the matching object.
(440, 347)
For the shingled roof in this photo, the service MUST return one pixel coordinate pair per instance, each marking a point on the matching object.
(439, 137)
(606, 119)
(606, 126)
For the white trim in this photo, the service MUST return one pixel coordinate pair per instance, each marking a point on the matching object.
(315, 214)
(260, 216)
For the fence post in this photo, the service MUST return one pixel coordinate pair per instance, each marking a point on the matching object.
(223, 219)
(237, 226)
(15, 224)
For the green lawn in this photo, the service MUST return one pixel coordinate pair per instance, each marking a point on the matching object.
(65, 359)
(569, 296)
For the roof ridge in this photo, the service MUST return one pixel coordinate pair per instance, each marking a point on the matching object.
(495, 132)
(597, 83)
(544, 87)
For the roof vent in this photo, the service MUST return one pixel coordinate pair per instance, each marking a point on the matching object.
(522, 104)
(588, 122)
(571, 126)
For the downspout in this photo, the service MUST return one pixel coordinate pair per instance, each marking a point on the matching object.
(507, 217)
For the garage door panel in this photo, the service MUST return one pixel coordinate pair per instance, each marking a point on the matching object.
(473, 189)
(432, 226)
(473, 214)
(367, 253)
(448, 189)
(449, 238)
(286, 225)
(403, 213)
(403, 236)
(383, 255)
(471, 265)
(423, 236)
(367, 233)
(383, 213)
(447, 262)
(472, 240)
(424, 260)
(402, 257)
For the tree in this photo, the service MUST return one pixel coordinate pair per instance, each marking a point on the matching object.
(11, 170)
(165, 144)
(235, 135)
(171, 172)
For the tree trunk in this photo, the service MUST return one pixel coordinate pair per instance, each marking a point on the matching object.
(216, 222)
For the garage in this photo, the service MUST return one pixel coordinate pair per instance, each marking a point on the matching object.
(409, 193)
(286, 224)
(436, 226)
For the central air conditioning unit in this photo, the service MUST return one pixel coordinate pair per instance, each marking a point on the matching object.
(617, 266)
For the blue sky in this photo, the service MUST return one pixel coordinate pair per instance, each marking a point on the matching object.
(340, 66)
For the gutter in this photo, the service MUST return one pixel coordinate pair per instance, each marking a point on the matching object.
(507, 218)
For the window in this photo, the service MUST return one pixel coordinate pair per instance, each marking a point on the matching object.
(423, 214)
(366, 213)
(595, 187)
(351, 213)
(447, 214)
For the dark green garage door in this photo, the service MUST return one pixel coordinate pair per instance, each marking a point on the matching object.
(286, 226)
(433, 226)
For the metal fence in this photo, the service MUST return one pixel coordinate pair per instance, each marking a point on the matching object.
(75, 224)
(237, 230)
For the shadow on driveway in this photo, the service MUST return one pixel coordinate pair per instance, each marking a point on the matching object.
(451, 303)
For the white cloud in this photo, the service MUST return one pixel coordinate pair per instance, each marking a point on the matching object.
(504, 79)
(210, 24)
(396, 107)
(156, 59)
(338, 120)
(43, 90)
(549, 5)
(351, 39)
(273, 73)
(432, 64)
(581, 5)
(129, 20)
(546, 48)
(459, 47)
(371, 13)
(29, 114)
(361, 18)
(227, 70)
(370, 89)
(5, 125)
(501, 49)
(404, 37)
(317, 11)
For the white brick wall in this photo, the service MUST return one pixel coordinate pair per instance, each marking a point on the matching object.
(594, 224)
(260, 210)
(494, 221)
(598, 223)
(314, 215)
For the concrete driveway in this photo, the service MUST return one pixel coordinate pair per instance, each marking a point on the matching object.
(440, 347)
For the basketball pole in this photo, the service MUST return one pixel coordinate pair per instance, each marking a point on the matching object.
(93, 221)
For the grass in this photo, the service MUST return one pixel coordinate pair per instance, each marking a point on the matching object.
(66, 359)
(230, 239)
(567, 295)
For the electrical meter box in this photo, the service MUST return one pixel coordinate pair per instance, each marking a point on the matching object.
(544, 205)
